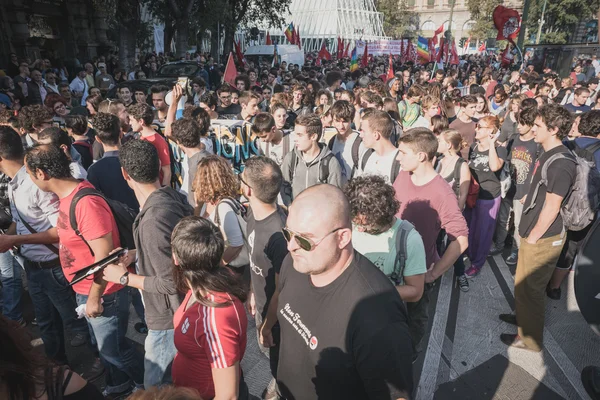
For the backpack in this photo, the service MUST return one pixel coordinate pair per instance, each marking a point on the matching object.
(355, 150)
(241, 213)
(579, 206)
(397, 277)
(505, 179)
(473, 185)
(323, 167)
(286, 147)
(395, 165)
(124, 217)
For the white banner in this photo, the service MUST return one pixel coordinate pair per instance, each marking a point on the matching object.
(381, 47)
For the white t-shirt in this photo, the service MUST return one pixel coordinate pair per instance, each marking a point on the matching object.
(275, 151)
(379, 165)
(421, 122)
(229, 225)
(77, 171)
(208, 144)
(343, 152)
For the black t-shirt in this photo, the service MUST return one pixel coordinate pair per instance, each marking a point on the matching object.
(561, 176)
(522, 155)
(268, 250)
(346, 340)
(577, 109)
(508, 129)
(229, 112)
(488, 180)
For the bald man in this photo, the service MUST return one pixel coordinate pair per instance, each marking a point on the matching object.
(344, 332)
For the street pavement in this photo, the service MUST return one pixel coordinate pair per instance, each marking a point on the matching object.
(464, 357)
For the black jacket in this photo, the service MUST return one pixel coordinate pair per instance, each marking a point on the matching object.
(152, 230)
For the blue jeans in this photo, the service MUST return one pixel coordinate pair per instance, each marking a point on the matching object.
(53, 304)
(12, 284)
(123, 363)
(160, 352)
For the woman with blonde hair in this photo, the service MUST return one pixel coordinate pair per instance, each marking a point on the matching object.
(486, 160)
(430, 106)
(455, 170)
(215, 190)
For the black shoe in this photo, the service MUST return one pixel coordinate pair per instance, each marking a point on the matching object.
(79, 339)
(96, 371)
(512, 340)
(590, 378)
(508, 318)
(554, 294)
(141, 327)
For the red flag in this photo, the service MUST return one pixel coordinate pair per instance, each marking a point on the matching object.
(390, 72)
(230, 71)
(409, 51)
(453, 54)
(268, 40)
(298, 40)
(324, 53)
(507, 22)
(441, 50)
(436, 33)
(365, 59)
(431, 47)
(238, 53)
(346, 54)
(402, 53)
(467, 43)
(482, 47)
(507, 56)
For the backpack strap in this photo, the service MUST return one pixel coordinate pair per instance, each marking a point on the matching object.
(286, 145)
(456, 174)
(544, 177)
(355, 150)
(72, 211)
(395, 170)
(324, 168)
(331, 141)
(401, 251)
(593, 148)
(365, 158)
(293, 165)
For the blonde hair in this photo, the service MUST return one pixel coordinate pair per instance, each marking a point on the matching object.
(456, 140)
(428, 102)
(166, 393)
(214, 180)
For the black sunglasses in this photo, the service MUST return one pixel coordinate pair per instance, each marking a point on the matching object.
(302, 241)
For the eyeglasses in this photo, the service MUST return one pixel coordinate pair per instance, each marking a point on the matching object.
(243, 181)
(305, 243)
(481, 126)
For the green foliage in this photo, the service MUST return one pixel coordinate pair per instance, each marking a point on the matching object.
(145, 36)
(561, 17)
(481, 12)
(399, 21)
(554, 38)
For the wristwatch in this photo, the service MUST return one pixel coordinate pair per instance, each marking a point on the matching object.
(124, 280)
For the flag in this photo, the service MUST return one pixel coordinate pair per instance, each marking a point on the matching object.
(482, 47)
(268, 40)
(441, 54)
(298, 40)
(238, 53)
(423, 49)
(340, 48)
(431, 49)
(354, 60)
(467, 43)
(402, 52)
(230, 71)
(276, 57)
(507, 56)
(436, 33)
(289, 33)
(324, 53)
(390, 72)
(453, 54)
(508, 23)
(346, 55)
(411, 52)
(365, 58)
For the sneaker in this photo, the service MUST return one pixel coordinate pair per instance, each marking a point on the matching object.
(472, 272)
(512, 258)
(554, 294)
(34, 322)
(22, 323)
(495, 249)
(590, 378)
(141, 327)
(79, 340)
(463, 283)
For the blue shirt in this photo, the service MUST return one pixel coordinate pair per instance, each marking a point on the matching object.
(585, 141)
(105, 174)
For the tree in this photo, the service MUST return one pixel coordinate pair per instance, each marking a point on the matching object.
(398, 19)
(481, 12)
(560, 18)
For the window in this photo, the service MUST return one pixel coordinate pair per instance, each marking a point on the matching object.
(430, 3)
(411, 3)
(428, 26)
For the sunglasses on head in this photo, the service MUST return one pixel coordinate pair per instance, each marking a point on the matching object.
(305, 243)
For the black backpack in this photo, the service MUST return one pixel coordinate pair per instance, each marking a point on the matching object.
(395, 165)
(323, 167)
(404, 229)
(124, 217)
(355, 150)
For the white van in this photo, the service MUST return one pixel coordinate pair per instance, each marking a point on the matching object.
(290, 53)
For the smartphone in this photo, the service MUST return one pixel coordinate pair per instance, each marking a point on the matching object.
(97, 266)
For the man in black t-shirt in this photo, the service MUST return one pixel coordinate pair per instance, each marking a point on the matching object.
(344, 332)
(226, 109)
(261, 181)
(541, 229)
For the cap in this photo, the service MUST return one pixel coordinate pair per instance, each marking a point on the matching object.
(4, 99)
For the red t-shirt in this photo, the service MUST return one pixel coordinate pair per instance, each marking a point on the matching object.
(205, 338)
(162, 148)
(94, 220)
(430, 208)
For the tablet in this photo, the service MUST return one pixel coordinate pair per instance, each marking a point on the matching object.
(96, 267)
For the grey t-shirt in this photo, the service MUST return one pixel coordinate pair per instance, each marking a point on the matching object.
(192, 168)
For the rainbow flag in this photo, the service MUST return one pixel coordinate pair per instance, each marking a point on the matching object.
(423, 49)
(289, 33)
(354, 60)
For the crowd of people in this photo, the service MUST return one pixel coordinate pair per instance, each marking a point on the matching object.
(363, 190)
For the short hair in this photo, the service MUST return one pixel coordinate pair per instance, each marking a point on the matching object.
(214, 180)
(342, 109)
(414, 91)
(373, 199)
(49, 159)
(159, 88)
(126, 86)
(11, 146)
(466, 100)
(186, 132)
(77, 123)
(245, 79)
(141, 111)
(421, 140)
(107, 127)
(264, 177)
(209, 100)
(34, 115)
(277, 106)
(57, 137)
(94, 100)
(225, 88)
(332, 77)
(247, 96)
(139, 158)
(429, 101)
(312, 123)
(110, 106)
(52, 99)
(199, 115)
(263, 122)
(555, 116)
(350, 94)
(491, 120)
(527, 116)
(199, 81)
(379, 121)
(580, 90)
(589, 124)
(529, 103)
(371, 97)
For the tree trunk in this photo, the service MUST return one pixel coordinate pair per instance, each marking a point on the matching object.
(214, 41)
(128, 12)
(183, 32)
(228, 43)
(168, 36)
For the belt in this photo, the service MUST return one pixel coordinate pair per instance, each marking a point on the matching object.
(43, 264)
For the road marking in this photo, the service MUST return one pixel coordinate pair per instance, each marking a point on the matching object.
(433, 354)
